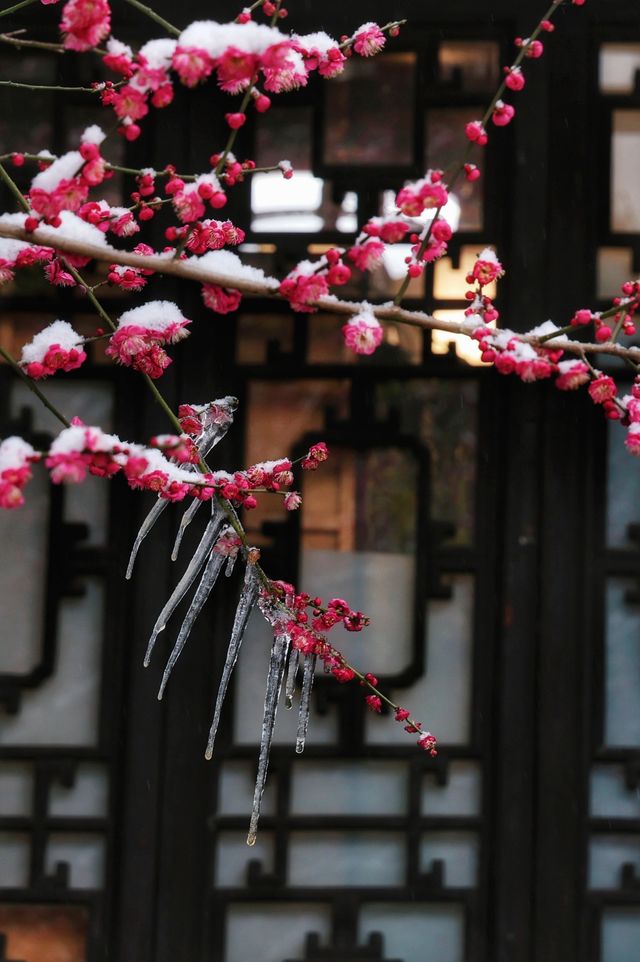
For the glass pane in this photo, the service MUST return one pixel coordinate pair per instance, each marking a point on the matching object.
(625, 162)
(16, 788)
(359, 518)
(278, 415)
(15, 852)
(344, 788)
(460, 795)
(86, 797)
(619, 63)
(84, 854)
(371, 96)
(622, 672)
(458, 850)
(445, 142)
(443, 415)
(417, 933)
(64, 709)
(620, 934)
(302, 204)
(445, 689)
(346, 858)
(233, 856)
(271, 932)
(611, 796)
(607, 855)
(57, 933)
(284, 134)
(256, 332)
(469, 65)
(623, 491)
(22, 575)
(614, 267)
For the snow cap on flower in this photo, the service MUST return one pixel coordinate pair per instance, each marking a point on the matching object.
(57, 347)
(163, 319)
(15, 453)
(158, 53)
(93, 135)
(64, 168)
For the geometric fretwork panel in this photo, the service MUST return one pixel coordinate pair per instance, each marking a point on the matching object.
(56, 755)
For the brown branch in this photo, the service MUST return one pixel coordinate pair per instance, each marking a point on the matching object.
(191, 270)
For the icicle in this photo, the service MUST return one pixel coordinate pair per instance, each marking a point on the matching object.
(246, 604)
(204, 589)
(200, 556)
(231, 560)
(212, 433)
(305, 701)
(277, 661)
(145, 528)
(185, 520)
(290, 687)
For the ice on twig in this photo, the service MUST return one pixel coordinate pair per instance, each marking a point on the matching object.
(308, 675)
(292, 673)
(145, 528)
(279, 651)
(246, 604)
(216, 418)
(204, 589)
(200, 556)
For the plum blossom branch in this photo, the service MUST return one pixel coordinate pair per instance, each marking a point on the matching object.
(190, 269)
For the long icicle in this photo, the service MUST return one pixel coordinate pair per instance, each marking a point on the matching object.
(305, 701)
(185, 520)
(200, 556)
(246, 604)
(275, 674)
(292, 674)
(145, 528)
(204, 589)
(212, 433)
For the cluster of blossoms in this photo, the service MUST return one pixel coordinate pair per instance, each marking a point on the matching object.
(240, 54)
(310, 280)
(63, 183)
(165, 466)
(142, 332)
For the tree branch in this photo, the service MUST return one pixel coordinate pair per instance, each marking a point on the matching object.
(190, 270)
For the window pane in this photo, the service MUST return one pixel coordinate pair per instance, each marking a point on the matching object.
(625, 163)
(469, 65)
(614, 267)
(622, 659)
(619, 63)
(369, 113)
